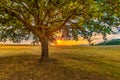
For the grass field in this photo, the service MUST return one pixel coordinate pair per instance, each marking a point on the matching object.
(70, 63)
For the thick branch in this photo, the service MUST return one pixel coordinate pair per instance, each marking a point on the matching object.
(62, 25)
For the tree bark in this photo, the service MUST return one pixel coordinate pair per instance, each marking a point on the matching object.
(44, 50)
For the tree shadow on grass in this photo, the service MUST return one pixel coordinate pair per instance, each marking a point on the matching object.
(108, 67)
(28, 67)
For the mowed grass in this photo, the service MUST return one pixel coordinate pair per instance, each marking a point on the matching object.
(70, 63)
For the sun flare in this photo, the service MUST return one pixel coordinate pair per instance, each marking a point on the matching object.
(58, 41)
(71, 42)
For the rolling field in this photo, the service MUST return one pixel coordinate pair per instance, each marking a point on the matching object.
(70, 63)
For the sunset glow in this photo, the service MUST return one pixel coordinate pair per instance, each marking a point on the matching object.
(71, 42)
(58, 41)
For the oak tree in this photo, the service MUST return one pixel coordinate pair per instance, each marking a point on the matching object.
(44, 17)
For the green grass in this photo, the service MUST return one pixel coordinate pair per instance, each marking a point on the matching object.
(70, 63)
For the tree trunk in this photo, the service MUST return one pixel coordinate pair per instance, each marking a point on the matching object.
(44, 50)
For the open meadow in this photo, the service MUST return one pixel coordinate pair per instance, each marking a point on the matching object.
(70, 63)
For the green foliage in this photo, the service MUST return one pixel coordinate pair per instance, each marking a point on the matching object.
(45, 17)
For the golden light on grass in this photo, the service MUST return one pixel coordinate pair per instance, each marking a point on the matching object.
(77, 62)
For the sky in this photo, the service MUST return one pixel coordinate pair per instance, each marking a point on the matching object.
(99, 39)
(81, 41)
